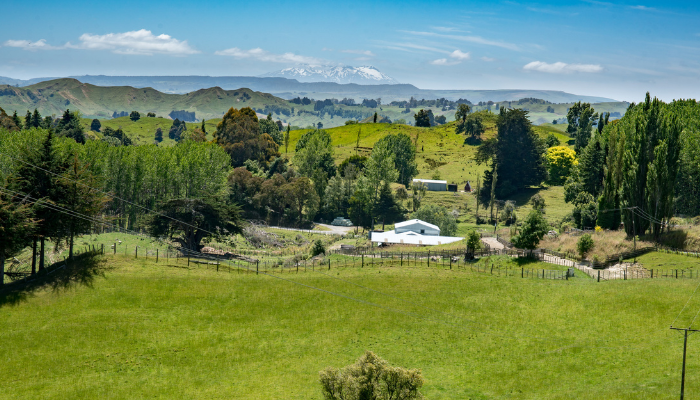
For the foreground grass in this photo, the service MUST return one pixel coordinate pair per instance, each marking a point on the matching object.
(150, 330)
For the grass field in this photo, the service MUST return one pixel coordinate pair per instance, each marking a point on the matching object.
(147, 330)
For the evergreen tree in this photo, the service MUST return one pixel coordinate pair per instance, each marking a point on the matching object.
(517, 153)
(16, 119)
(37, 177)
(286, 139)
(176, 130)
(159, 135)
(134, 116)
(16, 228)
(47, 123)
(70, 126)
(36, 119)
(643, 163)
(387, 208)
(28, 120)
(78, 196)
(95, 125)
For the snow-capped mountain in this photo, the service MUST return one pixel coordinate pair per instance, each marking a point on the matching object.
(365, 75)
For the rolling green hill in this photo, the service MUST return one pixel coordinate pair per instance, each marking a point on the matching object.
(53, 97)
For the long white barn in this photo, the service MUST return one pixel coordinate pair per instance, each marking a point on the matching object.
(414, 232)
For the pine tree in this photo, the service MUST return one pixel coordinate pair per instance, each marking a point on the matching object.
(159, 135)
(37, 178)
(78, 196)
(28, 120)
(16, 119)
(16, 227)
(286, 139)
(36, 119)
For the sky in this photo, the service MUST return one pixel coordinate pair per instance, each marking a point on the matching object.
(612, 49)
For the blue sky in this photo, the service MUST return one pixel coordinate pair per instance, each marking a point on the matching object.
(613, 49)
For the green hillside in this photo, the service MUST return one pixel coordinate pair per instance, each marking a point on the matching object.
(55, 96)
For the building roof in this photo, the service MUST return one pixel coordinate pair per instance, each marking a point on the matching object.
(416, 221)
(429, 181)
(412, 238)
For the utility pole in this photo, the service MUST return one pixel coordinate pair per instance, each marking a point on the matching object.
(634, 237)
(685, 346)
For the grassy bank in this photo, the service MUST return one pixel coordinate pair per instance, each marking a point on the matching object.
(168, 331)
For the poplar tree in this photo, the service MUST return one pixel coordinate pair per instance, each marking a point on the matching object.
(644, 164)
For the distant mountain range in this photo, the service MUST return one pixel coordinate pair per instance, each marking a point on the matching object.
(365, 75)
(289, 88)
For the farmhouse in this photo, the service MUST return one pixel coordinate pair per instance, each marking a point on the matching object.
(414, 232)
(433, 185)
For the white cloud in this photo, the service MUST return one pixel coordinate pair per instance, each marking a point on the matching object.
(643, 8)
(361, 52)
(446, 29)
(561, 68)
(30, 46)
(488, 59)
(459, 55)
(440, 61)
(471, 39)
(263, 55)
(141, 42)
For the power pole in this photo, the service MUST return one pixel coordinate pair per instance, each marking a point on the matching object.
(685, 346)
(634, 233)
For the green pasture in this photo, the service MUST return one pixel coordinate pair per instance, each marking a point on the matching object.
(668, 261)
(137, 329)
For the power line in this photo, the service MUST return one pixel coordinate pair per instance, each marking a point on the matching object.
(108, 194)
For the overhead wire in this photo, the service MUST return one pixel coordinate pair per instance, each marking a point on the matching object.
(204, 230)
(109, 194)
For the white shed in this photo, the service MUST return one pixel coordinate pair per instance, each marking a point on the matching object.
(417, 226)
(433, 185)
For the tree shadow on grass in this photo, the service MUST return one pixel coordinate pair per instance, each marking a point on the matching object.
(58, 277)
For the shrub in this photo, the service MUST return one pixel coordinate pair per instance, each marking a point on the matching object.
(584, 245)
(371, 378)
(318, 248)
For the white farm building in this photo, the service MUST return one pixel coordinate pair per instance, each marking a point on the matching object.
(414, 232)
(433, 185)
